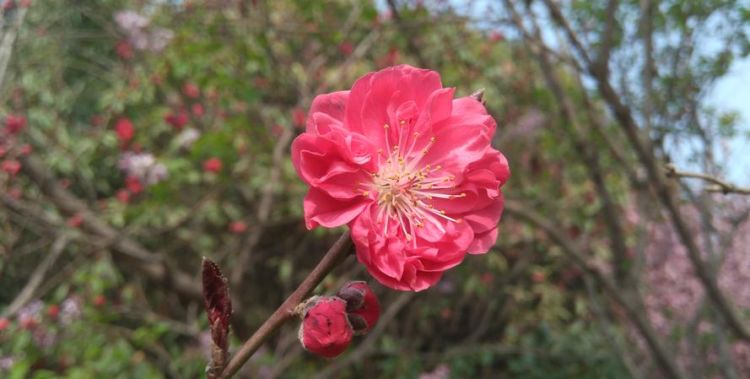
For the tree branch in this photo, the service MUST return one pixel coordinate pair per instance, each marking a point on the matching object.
(644, 152)
(718, 184)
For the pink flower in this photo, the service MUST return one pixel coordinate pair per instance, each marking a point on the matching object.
(408, 168)
(325, 330)
(212, 165)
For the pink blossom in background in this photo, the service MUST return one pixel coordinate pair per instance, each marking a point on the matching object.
(143, 168)
(674, 295)
(140, 34)
(408, 168)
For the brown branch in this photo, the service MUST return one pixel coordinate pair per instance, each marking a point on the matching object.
(36, 278)
(330, 260)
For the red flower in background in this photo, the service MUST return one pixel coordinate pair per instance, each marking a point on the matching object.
(298, 117)
(11, 166)
(325, 330)
(14, 123)
(237, 227)
(346, 48)
(53, 311)
(75, 221)
(409, 168)
(124, 50)
(124, 129)
(197, 110)
(177, 120)
(133, 184)
(212, 165)
(191, 90)
(123, 196)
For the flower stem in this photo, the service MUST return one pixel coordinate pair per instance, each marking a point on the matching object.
(330, 260)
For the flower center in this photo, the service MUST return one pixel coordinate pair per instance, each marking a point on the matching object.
(406, 189)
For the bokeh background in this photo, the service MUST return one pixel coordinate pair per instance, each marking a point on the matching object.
(153, 133)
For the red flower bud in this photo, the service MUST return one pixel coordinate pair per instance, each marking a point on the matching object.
(212, 165)
(325, 330)
(362, 302)
(14, 123)
(4, 323)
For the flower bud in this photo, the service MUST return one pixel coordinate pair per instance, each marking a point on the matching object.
(362, 303)
(325, 330)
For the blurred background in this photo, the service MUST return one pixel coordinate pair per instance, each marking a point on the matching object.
(139, 136)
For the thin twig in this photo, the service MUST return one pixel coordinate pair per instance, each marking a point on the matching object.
(718, 184)
(37, 277)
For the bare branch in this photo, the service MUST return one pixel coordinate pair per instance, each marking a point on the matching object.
(718, 184)
(37, 277)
